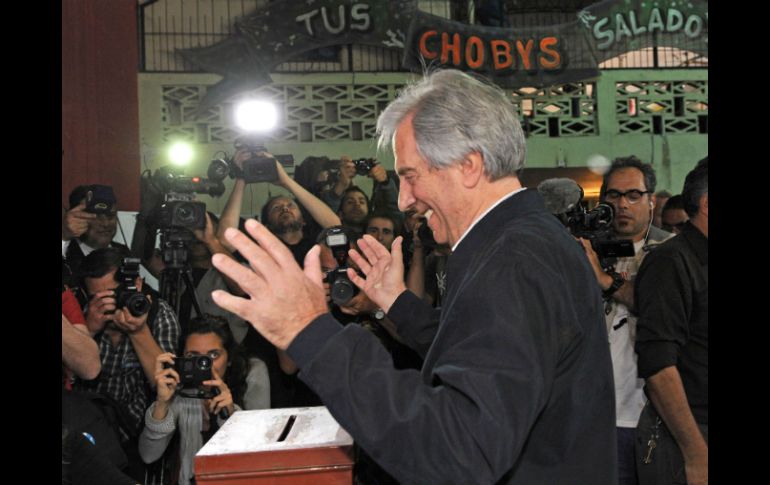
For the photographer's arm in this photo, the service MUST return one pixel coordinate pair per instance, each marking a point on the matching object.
(320, 212)
(345, 179)
(215, 245)
(79, 351)
(159, 424)
(144, 344)
(231, 213)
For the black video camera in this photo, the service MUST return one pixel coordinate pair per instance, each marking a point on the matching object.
(364, 165)
(258, 168)
(193, 371)
(596, 226)
(126, 294)
(342, 290)
(171, 180)
(181, 211)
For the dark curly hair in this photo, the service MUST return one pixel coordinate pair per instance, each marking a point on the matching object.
(237, 362)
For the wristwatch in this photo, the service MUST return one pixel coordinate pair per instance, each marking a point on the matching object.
(378, 314)
(617, 282)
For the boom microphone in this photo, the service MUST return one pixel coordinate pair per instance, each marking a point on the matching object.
(560, 195)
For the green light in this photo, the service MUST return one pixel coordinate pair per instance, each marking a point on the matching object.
(180, 153)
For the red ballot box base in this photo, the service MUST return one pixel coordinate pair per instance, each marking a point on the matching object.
(277, 446)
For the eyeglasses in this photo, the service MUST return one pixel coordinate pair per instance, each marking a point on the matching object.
(632, 196)
(213, 355)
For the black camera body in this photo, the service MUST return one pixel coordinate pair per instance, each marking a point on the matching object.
(100, 199)
(364, 165)
(126, 294)
(193, 371)
(180, 211)
(596, 226)
(257, 168)
(169, 179)
(342, 290)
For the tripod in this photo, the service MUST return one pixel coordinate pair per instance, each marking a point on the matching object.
(177, 274)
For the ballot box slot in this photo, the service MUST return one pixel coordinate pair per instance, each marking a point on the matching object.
(287, 428)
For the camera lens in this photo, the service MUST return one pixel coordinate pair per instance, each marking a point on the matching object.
(204, 362)
(138, 305)
(342, 291)
(185, 214)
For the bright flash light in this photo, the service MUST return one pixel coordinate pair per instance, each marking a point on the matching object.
(180, 153)
(256, 116)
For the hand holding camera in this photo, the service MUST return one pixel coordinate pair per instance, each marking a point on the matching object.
(193, 377)
(359, 304)
(125, 321)
(101, 310)
(75, 222)
(166, 378)
(378, 173)
(222, 402)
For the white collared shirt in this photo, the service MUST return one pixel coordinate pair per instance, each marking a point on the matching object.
(476, 221)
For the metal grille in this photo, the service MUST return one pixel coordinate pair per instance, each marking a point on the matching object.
(557, 111)
(310, 113)
(659, 108)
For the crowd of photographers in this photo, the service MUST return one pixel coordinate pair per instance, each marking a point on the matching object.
(142, 365)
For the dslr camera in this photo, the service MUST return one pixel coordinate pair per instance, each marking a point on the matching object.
(341, 288)
(257, 168)
(193, 371)
(364, 165)
(126, 294)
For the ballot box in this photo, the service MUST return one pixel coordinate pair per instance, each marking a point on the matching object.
(277, 446)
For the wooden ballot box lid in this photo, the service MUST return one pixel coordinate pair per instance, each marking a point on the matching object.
(289, 445)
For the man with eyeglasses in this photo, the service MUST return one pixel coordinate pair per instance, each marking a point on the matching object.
(629, 187)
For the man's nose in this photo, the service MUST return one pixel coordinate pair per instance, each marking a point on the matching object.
(405, 198)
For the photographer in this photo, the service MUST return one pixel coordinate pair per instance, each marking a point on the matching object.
(90, 223)
(281, 214)
(628, 186)
(196, 419)
(128, 343)
(384, 189)
(205, 278)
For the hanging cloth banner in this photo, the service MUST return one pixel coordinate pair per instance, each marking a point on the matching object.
(285, 28)
(513, 57)
(619, 26)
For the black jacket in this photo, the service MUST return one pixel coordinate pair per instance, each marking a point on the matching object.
(517, 382)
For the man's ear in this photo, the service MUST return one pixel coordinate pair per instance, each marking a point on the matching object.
(472, 169)
(703, 204)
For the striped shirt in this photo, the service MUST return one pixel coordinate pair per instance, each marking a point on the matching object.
(122, 377)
